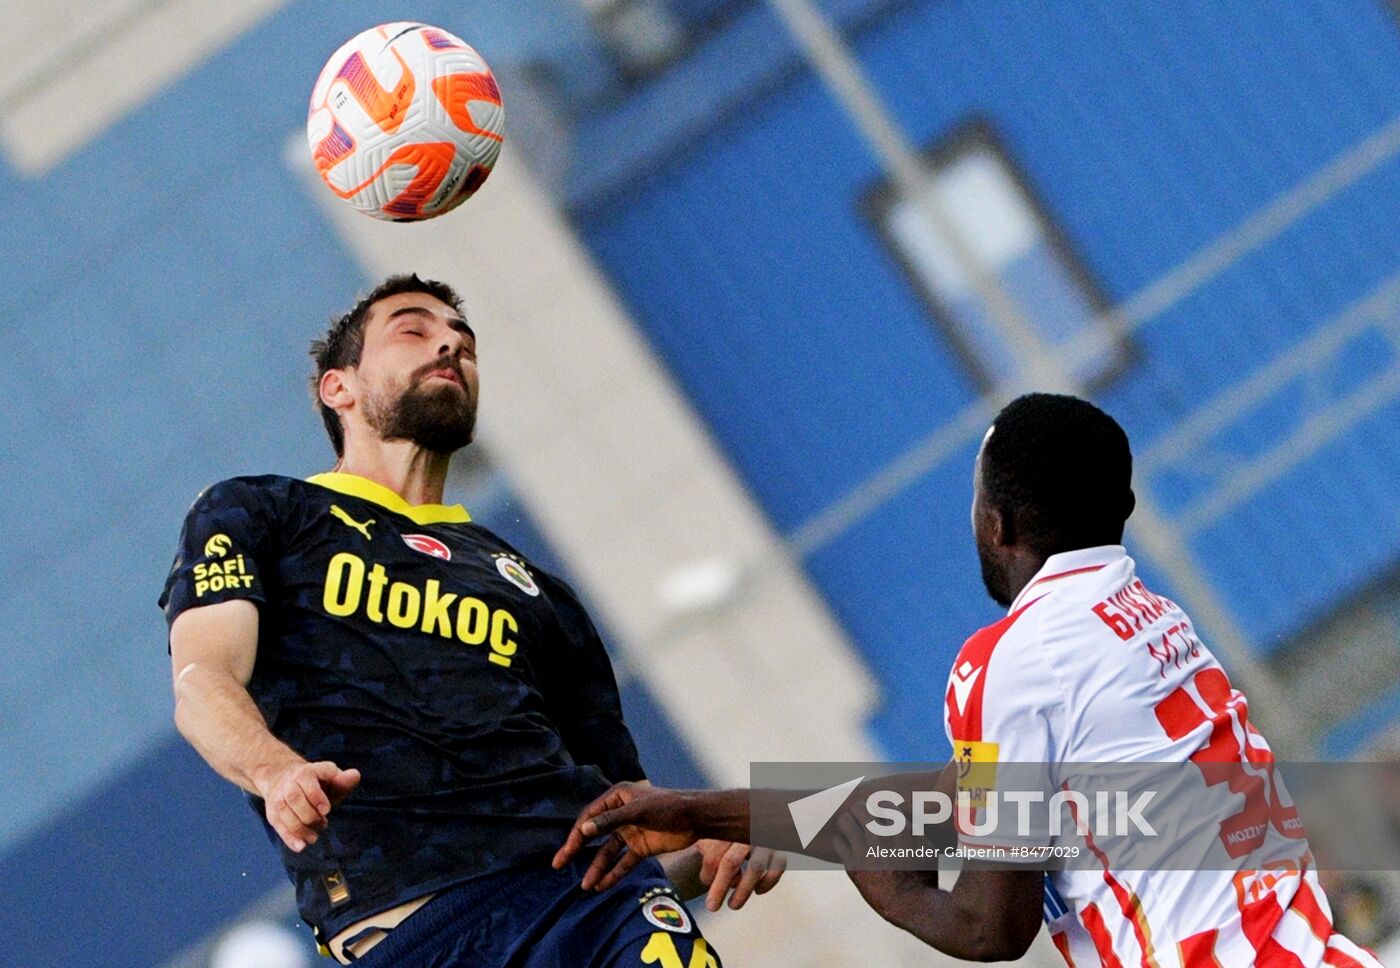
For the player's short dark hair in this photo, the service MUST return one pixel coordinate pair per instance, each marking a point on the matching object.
(1063, 469)
(345, 340)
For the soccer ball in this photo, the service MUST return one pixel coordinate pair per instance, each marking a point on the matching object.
(405, 122)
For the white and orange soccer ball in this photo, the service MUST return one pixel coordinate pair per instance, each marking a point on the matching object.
(405, 122)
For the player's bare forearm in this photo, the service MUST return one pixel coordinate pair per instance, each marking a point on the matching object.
(739, 813)
(648, 821)
(212, 650)
(652, 821)
(721, 814)
(217, 716)
(762, 817)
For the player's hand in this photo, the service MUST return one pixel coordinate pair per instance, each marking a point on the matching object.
(748, 870)
(644, 821)
(298, 798)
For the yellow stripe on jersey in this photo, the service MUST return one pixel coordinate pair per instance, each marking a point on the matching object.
(367, 490)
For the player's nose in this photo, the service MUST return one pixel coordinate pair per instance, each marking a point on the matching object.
(453, 345)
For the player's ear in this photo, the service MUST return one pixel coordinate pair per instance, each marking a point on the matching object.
(1003, 527)
(335, 390)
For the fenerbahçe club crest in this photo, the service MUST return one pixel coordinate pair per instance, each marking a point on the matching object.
(513, 570)
(661, 908)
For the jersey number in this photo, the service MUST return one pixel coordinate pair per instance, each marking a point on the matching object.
(1236, 755)
(661, 949)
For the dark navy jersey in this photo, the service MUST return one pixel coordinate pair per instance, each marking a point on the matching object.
(469, 688)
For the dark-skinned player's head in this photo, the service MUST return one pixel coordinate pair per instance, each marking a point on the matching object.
(1054, 474)
(402, 363)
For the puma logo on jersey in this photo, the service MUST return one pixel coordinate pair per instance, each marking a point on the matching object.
(964, 676)
(339, 512)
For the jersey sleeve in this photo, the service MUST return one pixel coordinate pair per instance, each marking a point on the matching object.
(580, 689)
(224, 549)
(1005, 721)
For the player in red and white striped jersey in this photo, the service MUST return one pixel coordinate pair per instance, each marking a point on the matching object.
(1088, 667)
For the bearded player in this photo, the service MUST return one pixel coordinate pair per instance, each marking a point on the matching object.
(416, 712)
(1088, 666)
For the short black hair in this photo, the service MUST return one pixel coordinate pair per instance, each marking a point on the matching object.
(1062, 468)
(345, 340)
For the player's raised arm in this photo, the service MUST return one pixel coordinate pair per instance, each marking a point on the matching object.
(212, 650)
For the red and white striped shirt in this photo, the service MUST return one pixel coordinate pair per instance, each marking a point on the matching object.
(1089, 666)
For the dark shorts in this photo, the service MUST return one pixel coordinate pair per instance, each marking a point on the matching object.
(538, 917)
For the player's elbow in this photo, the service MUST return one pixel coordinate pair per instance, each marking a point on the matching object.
(185, 700)
(998, 948)
(181, 713)
(990, 940)
(978, 934)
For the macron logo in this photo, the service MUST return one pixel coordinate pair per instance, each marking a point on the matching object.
(811, 813)
(963, 678)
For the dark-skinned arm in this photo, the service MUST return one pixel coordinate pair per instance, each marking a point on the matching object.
(646, 821)
(989, 915)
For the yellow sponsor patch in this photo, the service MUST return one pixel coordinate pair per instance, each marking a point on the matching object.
(977, 770)
(231, 573)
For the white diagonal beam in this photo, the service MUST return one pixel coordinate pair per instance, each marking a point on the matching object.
(80, 83)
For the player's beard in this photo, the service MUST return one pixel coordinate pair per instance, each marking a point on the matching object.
(434, 416)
